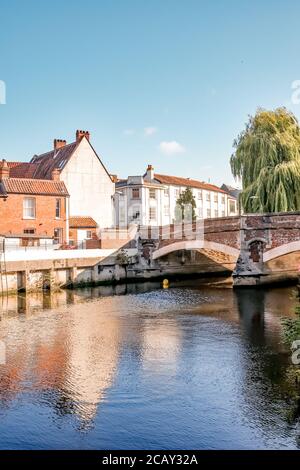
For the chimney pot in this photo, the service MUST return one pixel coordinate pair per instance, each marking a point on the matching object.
(59, 143)
(80, 134)
(150, 172)
(4, 170)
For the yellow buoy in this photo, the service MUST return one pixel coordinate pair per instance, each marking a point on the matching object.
(165, 283)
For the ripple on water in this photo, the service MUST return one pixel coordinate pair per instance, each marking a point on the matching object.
(184, 367)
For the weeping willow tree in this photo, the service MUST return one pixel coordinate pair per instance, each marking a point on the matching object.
(267, 161)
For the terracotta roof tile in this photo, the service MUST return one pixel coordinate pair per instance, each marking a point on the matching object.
(13, 164)
(32, 186)
(82, 222)
(177, 181)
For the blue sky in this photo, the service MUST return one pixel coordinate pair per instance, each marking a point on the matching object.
(167, 82)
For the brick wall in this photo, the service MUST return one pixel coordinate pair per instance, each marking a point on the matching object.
(275, 229)
(12, 220)
(225, 231)
(73, 234)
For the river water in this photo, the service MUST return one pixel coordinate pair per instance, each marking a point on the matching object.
(141, 367)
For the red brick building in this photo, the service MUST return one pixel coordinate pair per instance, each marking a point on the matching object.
(32, 211)
(83, 230)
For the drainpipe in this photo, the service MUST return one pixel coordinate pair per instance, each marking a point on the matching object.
(67, 219)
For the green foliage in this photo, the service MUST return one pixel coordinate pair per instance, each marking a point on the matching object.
(122, 258)
(292, 393)
(291, 333)
(291, 328)
(185, 206)
(267, 160)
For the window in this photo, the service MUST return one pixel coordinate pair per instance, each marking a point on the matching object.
(135, 212)
(29, 231)
(223, 213)
(208, 196)
(152, 213)
(58, 235)
(216, 213)
(223, 199)
(200, 212)
(29, 242)
(208, 213)
(177, 193)
(200, 195)
(29, 208)
(58, 208)
(88, 234)
(215, 198)
(135, 193)
(166, 210)
(152, 193)
(166, 192)
(122, 214)
(232, 206)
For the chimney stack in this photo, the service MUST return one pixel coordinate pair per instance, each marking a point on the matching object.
(81, 134)
(59, 143)
(114, 178)
(150, 172)
(55, 175)
(4, 170)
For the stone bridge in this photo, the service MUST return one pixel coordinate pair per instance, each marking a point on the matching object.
(255, 248)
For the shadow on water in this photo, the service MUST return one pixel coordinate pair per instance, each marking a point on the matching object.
(251, 308)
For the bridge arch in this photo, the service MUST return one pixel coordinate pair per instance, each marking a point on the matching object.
(195, 245)
(281, 250)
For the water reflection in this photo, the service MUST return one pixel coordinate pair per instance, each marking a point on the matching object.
(138, 366)
(251, 308)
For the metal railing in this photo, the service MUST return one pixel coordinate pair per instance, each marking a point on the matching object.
(18, 247)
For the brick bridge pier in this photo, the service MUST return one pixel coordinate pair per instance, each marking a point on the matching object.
(256, 249)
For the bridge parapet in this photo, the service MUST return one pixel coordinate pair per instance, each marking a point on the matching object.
(253, 239)
(275, 229)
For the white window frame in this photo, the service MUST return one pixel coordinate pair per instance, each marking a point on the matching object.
(135, 190)
(27, 208)
(152, 193)
(58, 207)
(151, 211)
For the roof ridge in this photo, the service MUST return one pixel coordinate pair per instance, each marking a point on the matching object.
(53, 150)
(33, 186)
(38, 180)
(185, 178)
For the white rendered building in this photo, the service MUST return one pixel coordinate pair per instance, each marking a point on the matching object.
(151, 199)
(89, 184)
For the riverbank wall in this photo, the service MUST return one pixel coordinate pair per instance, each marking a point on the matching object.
(33, 271)
(37, 270)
